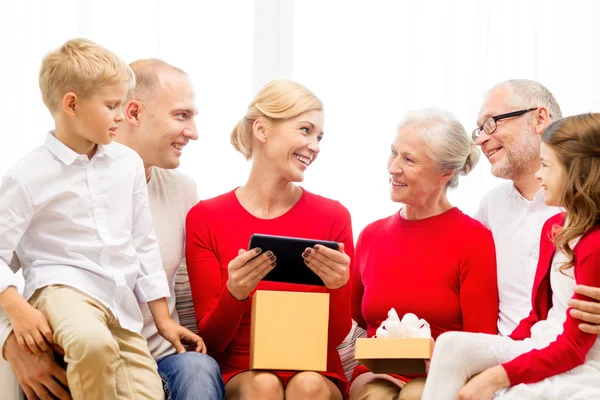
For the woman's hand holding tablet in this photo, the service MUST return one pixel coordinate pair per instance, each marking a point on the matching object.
(247, 269)
(332, 266)
(305, 261)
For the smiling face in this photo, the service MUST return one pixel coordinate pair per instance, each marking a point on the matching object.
(168, 124)
(551, 175)
(291, 145)
(413, 175)
(513, 148)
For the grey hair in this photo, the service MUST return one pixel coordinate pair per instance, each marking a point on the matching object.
(526, 93)
(449, 145)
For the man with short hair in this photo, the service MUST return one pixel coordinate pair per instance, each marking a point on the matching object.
(510, 123)
(159, 123)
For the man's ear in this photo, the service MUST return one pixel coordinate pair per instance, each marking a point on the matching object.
(70, 104)
(259, 130)
(542, 120)
(133, 112)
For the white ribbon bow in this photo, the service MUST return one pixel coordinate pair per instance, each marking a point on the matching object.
(410, 327)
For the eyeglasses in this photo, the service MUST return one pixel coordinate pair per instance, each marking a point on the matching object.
(489, 126)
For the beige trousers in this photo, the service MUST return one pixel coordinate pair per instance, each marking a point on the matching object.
(104, 361)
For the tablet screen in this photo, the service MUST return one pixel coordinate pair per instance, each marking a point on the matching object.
(290, 266)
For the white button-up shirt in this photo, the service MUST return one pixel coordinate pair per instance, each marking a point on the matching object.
(516, 224)
(83, 223)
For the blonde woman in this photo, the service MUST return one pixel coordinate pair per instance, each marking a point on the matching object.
(280, 134)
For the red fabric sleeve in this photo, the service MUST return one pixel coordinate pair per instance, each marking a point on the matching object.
(339, 299)
(523, 330)
(357, 283)
(571, 347)
(218, 314)
(479, 287)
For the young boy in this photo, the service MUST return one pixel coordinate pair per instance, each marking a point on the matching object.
(75, 214)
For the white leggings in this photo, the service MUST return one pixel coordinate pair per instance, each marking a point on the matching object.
(458, 356)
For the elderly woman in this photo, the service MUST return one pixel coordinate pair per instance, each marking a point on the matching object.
(428, 258)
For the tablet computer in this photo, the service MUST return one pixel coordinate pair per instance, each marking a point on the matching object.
(290, 266)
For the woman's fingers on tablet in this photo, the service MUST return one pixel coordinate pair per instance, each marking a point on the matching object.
(314, 268)
(266, 268)
(312, 256)
(335, 260)
(255, 267)
(321, 267)
(260, 262)
(252, 262)
(333, 273)
(243, 258)
(263, 265)
(333, 276)
(335, 255)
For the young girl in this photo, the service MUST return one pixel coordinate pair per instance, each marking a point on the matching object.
(547, 356)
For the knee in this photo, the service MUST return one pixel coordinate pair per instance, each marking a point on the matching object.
(308, 385)
(98, 346)
(447, 344)
(188, 375)
(446, 339)
(452, 349)
(413, 390)
(263, 385)
(194, 365)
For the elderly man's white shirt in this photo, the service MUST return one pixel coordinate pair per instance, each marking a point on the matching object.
(516, 225)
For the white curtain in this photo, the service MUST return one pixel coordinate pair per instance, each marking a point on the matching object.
(368, 61)
(211, 40)
(372, 61)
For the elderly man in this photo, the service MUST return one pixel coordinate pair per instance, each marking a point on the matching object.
(514, 115)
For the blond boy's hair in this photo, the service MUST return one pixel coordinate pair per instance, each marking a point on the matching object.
(82, 67)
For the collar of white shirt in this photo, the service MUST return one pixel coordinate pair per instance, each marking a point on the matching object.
(538, 197)
(66, 154)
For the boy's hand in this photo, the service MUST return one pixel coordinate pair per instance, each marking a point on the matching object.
(29, 325)
(31, 329)
(176, 334)
(171, 330)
